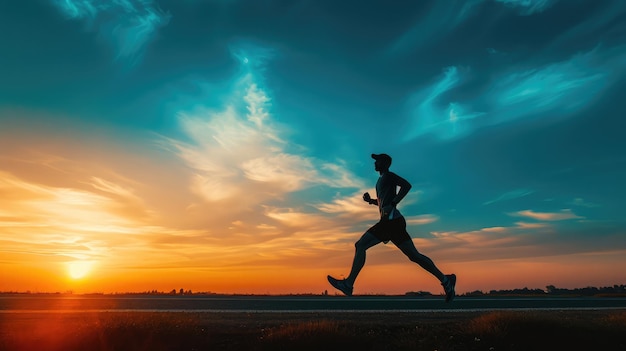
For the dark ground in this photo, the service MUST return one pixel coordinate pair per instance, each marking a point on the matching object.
(499, 330)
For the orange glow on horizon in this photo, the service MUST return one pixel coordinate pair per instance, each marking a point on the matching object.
(394, 278)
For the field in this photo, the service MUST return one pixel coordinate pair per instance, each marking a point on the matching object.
(496, 330)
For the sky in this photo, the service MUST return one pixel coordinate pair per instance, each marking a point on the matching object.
(224, 145)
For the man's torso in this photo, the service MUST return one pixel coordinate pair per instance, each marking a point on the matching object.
(386, 192)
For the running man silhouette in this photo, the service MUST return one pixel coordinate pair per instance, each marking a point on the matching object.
(391, 227)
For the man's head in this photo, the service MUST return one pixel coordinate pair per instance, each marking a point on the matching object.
(383, 161)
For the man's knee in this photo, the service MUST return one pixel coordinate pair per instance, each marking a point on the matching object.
(365, 242)
(359, 245)
(415, 258)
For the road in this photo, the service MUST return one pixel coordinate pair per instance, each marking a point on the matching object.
(44, 303)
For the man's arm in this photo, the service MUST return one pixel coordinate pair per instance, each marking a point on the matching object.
(404, 185)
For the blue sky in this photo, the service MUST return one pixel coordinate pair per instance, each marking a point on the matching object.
(200, 118)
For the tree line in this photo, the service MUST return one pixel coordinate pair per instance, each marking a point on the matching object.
(551, 290)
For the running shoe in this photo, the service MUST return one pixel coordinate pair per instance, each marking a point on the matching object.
(448, 286)
(340, 285)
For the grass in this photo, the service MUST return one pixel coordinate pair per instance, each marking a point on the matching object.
(546, 330)
(549, 330)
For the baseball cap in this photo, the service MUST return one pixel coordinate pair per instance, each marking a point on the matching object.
(382, 157)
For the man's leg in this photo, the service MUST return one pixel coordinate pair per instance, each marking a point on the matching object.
(367, 240)
(447, 281)
(408, 248)
(345, 285)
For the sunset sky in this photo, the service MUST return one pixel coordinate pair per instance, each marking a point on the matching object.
(224, 145)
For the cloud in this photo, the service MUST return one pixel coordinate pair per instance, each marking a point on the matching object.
(526, 225)
(528, 7)
(350, 206)
(523, 240)
(129, 25)
(547, 216)
(239, 157)
(548, 91)
(489, 243)
(603, 26)
(422, 219)
(566, 87)
(58, 224)
(437, 114)
(514, 194)
(287, 172)
(112, 188)
(91, 199)
(441, 19)
(582, 203)
(236, 155)
(294, 218)
(57, 221)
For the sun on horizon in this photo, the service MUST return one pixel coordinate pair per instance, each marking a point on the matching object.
(79, 269)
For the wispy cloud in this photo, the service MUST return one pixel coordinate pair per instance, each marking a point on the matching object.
(351, 206)
(513, 194)
(547, 216)
(437, 113)
(442, 18)
(61, 222)
(582, 203)
(528, 225)
(235, 154)
(553, 90)
(495, 242)
(528, 7)
(439, 20)
(129, 25)
(422, 219)
(599, 27)
(566, 86)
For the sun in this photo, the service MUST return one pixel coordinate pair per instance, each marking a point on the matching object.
(79, 269)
